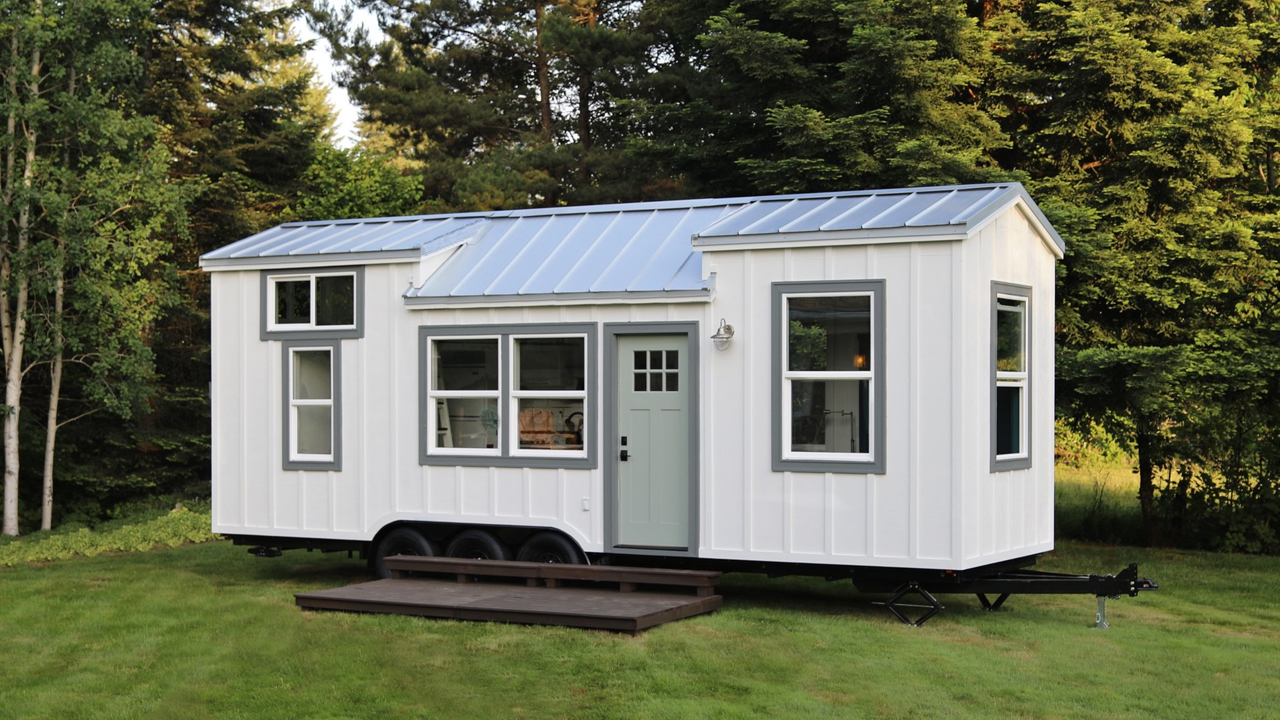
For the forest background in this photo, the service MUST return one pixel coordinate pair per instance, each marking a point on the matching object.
(139, 134)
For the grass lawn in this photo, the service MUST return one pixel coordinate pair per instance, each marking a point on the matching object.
(206, 631)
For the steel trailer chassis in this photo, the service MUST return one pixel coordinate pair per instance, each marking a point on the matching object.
(1001, 584)
(910, 589)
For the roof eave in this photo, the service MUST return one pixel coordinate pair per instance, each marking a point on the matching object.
(273, 262)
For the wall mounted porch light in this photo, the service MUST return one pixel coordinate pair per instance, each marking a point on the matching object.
(723, 335)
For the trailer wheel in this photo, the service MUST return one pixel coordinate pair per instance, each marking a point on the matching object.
(477, 545)
(401, 541)
(549, 547)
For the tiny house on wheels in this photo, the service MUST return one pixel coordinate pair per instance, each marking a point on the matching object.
(845, 384)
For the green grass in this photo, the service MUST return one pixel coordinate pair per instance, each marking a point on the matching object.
(1098, 502)
(205, 631)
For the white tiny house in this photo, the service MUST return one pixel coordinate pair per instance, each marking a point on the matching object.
(855, 379)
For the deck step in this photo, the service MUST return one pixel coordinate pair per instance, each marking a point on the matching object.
(628, 578)
(582, 607)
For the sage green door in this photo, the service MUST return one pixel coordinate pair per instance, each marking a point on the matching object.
(653, 441)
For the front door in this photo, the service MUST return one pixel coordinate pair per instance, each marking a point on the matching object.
(653, 441)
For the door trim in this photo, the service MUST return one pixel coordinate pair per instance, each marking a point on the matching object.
(611, 446)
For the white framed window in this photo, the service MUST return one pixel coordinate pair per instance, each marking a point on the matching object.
(313, 304)
(829, 376)
(548, 405)
(312, 406)
(1011, 377)
(464, 395)
(509, 395)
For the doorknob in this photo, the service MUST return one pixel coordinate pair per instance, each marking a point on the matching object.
(623, 456)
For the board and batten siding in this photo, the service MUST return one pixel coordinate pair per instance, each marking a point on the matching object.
(905, 516)
(937, 505)
(1010, 513)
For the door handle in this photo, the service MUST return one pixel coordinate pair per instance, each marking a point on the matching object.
(623, 456)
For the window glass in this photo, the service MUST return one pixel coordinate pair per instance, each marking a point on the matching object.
(550, 424)
(467, 422)
(314, 429)
(336, 300)
(1009, 326)
(830, 416)
(312, 379)
(1008, 420)
(551, 364)
(293, 302)
(466, 365)
(829, 333)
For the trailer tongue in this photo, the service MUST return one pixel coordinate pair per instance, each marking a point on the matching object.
(982, 582)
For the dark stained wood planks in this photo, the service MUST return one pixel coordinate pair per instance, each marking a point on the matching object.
(589, 607)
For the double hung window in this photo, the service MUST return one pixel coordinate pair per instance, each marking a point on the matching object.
(828, 377)
(1010, 393)
(312, 417)
(508, 395)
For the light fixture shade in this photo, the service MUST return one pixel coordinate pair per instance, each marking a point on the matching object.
(723, 335)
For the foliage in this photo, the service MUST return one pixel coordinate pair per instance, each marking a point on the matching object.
(353, 184)
(178, 527)
(500, 105)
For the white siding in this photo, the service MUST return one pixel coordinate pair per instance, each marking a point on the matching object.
(936, 506)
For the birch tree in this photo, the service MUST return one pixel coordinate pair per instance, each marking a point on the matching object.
(85, 191)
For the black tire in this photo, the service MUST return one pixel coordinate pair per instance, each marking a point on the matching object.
(401, 541)
(477, 545)
(549, 547)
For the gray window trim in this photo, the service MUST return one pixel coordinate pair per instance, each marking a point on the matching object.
(611, 490)
(335, 348)
(876, 465)
(1024, 292)
(312, 333)
(504, 458)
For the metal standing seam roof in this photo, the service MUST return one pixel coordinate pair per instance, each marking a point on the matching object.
(629, 250)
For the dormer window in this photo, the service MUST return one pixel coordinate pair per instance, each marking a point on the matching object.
(313, 303)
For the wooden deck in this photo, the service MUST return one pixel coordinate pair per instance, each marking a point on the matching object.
(598, 597)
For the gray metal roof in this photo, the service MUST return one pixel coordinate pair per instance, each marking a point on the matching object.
(630, 250)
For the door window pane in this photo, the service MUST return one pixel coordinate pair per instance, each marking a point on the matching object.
(312, 379)
(293, 302)
(551, 364)
(829, 333)
(466, 365)
(830, 416)
(336, 300)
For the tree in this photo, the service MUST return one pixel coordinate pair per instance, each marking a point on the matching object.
(353, 184)
(500, 105)
(806, 95)
(84, 182)
(1131, 121)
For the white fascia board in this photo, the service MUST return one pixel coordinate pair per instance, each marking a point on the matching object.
(284, 262)
(555, 299)
(989, 216)
(787, 241)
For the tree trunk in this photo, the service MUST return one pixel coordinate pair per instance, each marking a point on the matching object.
(51, 421)
(1147, 488)
(584, 108)
(16, 339)
(544, 76)
(55, 382)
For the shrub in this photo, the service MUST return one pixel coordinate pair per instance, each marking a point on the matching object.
(176, 528)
